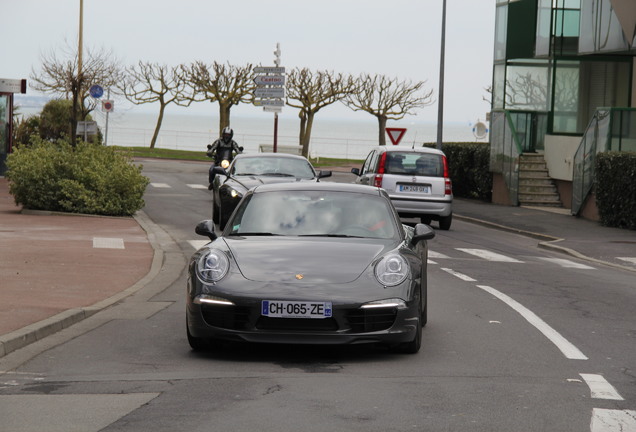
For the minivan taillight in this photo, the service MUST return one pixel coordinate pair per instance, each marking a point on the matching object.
(377, 180)
(448, 186)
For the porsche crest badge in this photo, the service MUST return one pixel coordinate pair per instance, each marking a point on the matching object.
(299, 276)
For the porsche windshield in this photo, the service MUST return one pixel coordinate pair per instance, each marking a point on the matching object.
(274, 166)
(315, 213)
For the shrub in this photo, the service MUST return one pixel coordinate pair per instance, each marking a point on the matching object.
(91, 179)
(469, 166)
(615, 189)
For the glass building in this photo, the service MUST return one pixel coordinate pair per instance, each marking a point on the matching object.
(563, 72)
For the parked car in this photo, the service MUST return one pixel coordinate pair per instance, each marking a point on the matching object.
(249, 170)
(310, 263)
(416, 180)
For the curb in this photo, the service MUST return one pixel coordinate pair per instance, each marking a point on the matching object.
(37, 331)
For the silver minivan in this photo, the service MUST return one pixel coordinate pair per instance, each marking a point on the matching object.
(416, 180)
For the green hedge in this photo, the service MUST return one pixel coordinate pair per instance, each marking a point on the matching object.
(615, 189)
(469, 166)
(90, 179)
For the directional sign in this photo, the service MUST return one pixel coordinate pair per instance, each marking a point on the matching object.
(275, 92)
(395, 134)
(269, 102)
(12, 85)
(271, 80)
(270, 69)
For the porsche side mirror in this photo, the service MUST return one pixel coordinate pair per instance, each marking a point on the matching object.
(422, 232)
(323, 174)
(206, 228)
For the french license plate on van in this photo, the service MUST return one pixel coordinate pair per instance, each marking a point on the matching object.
(296, 309)
(425, 189)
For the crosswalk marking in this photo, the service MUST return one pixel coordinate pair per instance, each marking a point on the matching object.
(566, 263)
(631, 260)
(433, 254)
(600, 388)
(160, 185)
(489, 255)
(607, 420)
(197, 186)
(459, 275)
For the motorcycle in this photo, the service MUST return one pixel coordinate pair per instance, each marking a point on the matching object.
(222, 158)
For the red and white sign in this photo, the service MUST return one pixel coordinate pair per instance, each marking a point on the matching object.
(395, 134)
(108, 105)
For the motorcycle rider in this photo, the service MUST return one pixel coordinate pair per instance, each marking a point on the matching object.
(224, 142)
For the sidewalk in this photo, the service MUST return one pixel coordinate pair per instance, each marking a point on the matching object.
(57, 269)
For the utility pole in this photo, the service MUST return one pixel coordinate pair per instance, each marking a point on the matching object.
(440, 100)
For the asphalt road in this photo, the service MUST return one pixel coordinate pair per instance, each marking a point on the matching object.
(518, 338)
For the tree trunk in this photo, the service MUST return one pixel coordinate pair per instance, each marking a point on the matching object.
(224, 116)
(382, 130)
(153, 141)
(303, 128)
(307, 136)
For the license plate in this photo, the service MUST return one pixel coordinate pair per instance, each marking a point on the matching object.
(415, 188)
(296, 309)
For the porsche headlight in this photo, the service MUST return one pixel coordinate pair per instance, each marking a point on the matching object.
(235, 194)
(392, 270)
(212, 266)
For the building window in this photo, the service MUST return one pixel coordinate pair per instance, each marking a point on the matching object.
(501, 28)
(528, 86)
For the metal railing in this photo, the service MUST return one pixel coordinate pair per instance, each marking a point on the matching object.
(505, 150)
(611, 129)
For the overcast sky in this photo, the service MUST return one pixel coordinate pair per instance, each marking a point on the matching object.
(397, 38)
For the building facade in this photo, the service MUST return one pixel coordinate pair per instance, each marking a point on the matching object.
(563, 88)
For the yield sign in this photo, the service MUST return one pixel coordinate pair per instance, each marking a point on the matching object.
(395, 134)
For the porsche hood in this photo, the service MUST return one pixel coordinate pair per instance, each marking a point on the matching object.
(305, 260)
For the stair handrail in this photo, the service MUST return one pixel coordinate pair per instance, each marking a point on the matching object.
(592, 142)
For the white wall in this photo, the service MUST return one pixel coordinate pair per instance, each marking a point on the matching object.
(559, 155)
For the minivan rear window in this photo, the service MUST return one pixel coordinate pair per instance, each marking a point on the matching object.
(420, 164)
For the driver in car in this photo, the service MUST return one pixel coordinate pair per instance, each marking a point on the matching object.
(214, 149)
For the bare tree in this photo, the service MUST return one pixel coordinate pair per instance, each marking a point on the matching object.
(226, 84)
(150, 83)
(387, 99)
(310, 92)
(61, 77)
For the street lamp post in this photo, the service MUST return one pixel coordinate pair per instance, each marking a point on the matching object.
(440, 100)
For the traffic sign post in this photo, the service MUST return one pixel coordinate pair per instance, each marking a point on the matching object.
(96, 91)
(270, 90)
(395, 134)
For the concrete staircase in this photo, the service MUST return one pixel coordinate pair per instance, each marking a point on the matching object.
(536, 188)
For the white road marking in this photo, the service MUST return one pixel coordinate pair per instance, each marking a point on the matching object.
(160, 185)
(459, 275)
(108, 243)
(566, 263)
(569, 350)
(433, 254)
(488, 255)
(198, 244)
(600, 388)
(605, 420)
(631, 260)
(197, 186)
(431, 262)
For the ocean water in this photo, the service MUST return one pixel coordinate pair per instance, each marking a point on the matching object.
(339, 138)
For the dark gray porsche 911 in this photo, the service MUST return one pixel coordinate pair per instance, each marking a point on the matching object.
(249, 170)
(310, 263)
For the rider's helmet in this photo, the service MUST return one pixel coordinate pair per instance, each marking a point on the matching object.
(227, 134)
